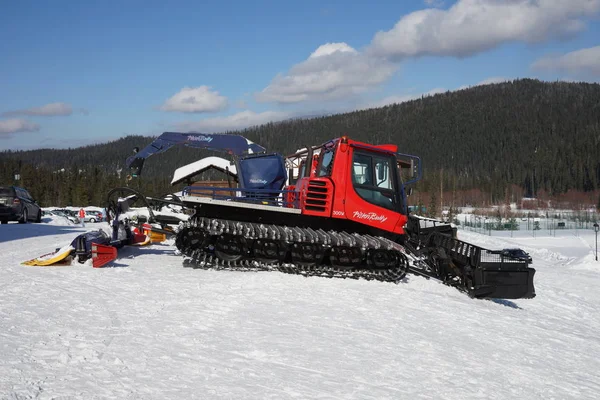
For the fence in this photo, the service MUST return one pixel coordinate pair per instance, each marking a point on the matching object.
(548, 223)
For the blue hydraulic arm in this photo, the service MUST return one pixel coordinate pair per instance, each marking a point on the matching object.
(233, 144)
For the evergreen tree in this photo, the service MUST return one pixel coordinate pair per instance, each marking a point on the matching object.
(492, 142)
(499, 225)
(420, 207)
(432, 207)
(513, 223)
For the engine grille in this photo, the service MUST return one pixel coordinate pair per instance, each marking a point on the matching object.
(317, 196)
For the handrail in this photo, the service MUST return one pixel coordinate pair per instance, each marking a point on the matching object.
(279, 198)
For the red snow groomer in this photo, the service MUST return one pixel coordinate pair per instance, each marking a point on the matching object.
(338, 209)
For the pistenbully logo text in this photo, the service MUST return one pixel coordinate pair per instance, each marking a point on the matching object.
(369, 216)
(200, 138)
(254, 180)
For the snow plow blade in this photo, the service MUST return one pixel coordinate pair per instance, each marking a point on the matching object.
(503, 282)
(482, 273)
(102, 254)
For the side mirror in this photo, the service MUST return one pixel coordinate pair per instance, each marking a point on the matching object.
(136, 150)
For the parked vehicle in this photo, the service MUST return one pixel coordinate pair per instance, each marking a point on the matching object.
(16, 204)
(517, 254)
(70, 215)
(92, 216)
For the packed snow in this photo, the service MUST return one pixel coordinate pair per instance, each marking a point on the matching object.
(146, 327)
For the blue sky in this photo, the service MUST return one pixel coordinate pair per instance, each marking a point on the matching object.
(75, 73)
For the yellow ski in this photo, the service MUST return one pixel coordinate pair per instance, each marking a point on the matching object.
(55, 258)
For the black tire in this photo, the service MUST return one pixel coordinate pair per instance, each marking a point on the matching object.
(39, 217)
(92, 220)
(4, 222)
(24, 217)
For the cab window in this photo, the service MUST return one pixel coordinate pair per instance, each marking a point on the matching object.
(373, 179)
(325, 163)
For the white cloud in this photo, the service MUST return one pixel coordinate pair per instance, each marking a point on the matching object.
(241, 120)
(579, 62)
(338, 71)
(195, 100)
(487, 81)
(473, 26)
(397, 99)
(328, 49)
(493, 79)
(48, 110)
(243, 104)
(332, 71)
(15, 125)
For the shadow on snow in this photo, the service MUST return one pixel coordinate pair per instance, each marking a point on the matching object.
(10, 232)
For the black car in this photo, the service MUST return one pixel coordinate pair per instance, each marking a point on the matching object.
(517, 254)
(16, 204)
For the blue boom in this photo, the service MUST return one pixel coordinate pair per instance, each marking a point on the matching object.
(256, 170)
(232, 144)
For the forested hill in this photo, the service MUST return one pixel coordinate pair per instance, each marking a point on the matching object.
(523, 134)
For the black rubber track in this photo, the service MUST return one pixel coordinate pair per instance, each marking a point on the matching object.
(212, 243)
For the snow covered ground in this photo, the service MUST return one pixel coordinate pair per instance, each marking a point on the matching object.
(149, 328)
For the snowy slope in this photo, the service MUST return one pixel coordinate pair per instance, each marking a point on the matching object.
(149, 328)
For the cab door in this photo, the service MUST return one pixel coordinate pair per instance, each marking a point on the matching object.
(372, 197)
